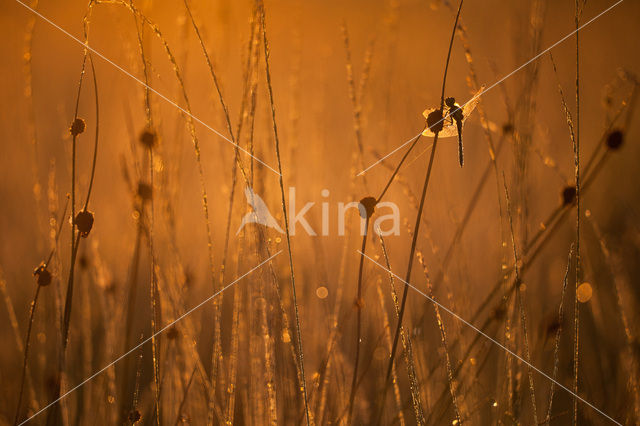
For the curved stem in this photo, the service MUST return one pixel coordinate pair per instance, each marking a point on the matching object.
(284, 211)
(417, 225)
(95, 145)
(358, 304)
(27, 339)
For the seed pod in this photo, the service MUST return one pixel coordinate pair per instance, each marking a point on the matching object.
(615, 139)
(148, 138)
(43, 275)
(84, 222)
(367, 206)
(83, 261)
(173, 333)
(77, 127)
(553, 326)
(499, 312)
(434, 121)
(568, 195)
(145, 191)
(134, 416)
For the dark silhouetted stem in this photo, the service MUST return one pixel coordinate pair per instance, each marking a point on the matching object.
(416, 230)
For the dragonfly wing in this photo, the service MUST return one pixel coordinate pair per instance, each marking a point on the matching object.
(448, 132)
(448, 129)
(468, 108)
(427, 111)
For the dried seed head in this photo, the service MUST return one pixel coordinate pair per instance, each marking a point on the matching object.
(110, 288)
(434, 121)
(148, 138)
(554, 325)
(367, 206)
(499, 312)
(83, 261)
(615, 139)
(52, 383)
(188, 279)
(43, 275)
(134, 416)
(145, 191)
(77, 127)
(84, 222)
(173, 333)
(568, 195)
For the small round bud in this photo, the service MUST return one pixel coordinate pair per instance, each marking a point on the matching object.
(83, 261)
(145, 191)
(148, 138)
(77, 127)
(554, 325)
(43, 275)
(367, 206)
(134, 416)
(499, 312)
(173, 333)
(84, 222)
(615, 139)
(568, 195)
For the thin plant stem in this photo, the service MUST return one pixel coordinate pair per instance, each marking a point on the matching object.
(284, 212)
(355, 96)
(556, 346)
(519, 296)
(417, 225)
(32, 311)
(153, 285)
(358, 304)
(576, 311)
(27, 341)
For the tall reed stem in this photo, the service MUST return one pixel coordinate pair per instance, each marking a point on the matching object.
(284, 212)
(416, 231)
(576, 147)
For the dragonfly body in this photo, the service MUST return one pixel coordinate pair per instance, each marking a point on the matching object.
(455, 111)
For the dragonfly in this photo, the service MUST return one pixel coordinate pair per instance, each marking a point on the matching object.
(454, 118)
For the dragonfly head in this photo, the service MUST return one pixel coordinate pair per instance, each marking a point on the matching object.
(450, 102)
